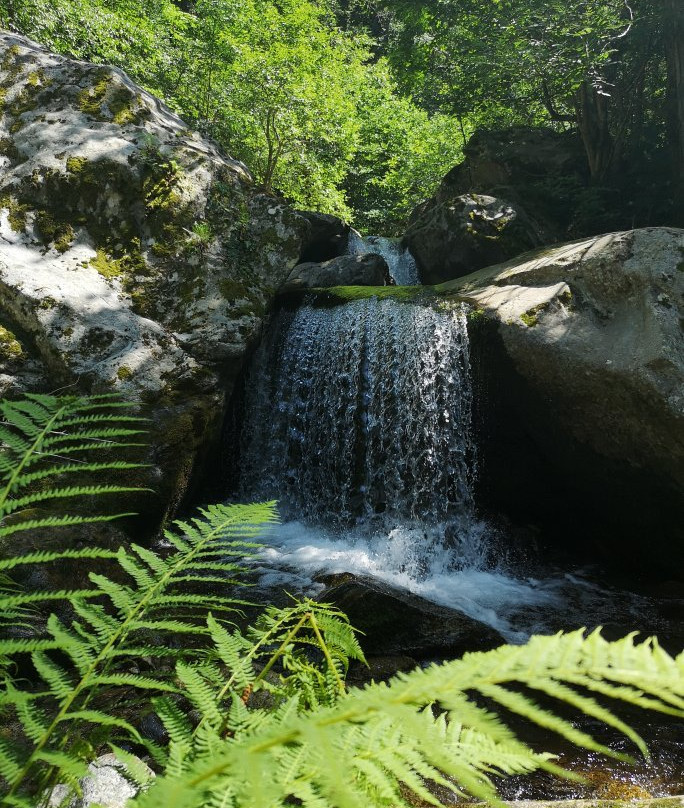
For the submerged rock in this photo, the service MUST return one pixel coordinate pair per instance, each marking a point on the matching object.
(465, 233)
(369, 269)
(579, 363)
(396, 623)
(135, 258)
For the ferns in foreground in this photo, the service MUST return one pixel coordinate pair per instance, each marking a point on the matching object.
(115, 645)
(381, 743)
(45, 442)
(152, 631)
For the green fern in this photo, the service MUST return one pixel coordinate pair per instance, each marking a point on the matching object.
(151, 631)
(377, 744)
(115, 624)
(46, 441)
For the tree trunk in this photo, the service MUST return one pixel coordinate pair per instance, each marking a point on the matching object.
(592, 122)
(673, 24)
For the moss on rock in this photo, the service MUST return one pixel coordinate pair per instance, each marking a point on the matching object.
(10, 347)
(52, 231)
(17, 213)
(338, 295)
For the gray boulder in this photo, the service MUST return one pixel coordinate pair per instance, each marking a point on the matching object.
(369, 269)
(540, 170)
(466, 233)
(135, 258)
(580, 364)
(105, 786)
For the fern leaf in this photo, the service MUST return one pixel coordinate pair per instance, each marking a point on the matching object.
(103, 719)
(174, 720)
(232, 649)
(200, 693)
(57, 678)
(80, 651)
(10, 762)
(13, 505)
(138, 771)
(58, 521)
(8, 602)
(589, 707)
(44, 556)
(132, 680)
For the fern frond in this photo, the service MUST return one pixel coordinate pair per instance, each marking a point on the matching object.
(44, 556)
(57, 521)
(13, 505)
(383, 731)
(113, 622)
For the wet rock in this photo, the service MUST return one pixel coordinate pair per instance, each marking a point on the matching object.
(135, 258)
(368, 269)
(466, 233)
(397, 623)
(579, 363)
(380, 669)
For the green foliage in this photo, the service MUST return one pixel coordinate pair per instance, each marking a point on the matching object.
(261, 718)
(379, 745)
(304, 104)
(137, 628)
(46, 454)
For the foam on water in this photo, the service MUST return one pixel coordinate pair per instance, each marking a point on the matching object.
(295, 554)
(501, 595)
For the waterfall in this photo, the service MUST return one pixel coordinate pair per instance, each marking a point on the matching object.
(357, 420)
(402, 265)
(362, 414)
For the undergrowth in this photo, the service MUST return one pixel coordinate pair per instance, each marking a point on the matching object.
(253, 719)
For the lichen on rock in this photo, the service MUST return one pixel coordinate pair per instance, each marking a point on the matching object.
(156, 257)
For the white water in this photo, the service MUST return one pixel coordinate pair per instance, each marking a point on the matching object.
(360, 414)
(297, 554)
(402, 265)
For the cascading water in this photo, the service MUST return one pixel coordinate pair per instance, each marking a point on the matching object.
(358, 421)
(362, 414)
(402, 265)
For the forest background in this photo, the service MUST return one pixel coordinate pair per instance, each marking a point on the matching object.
(358, 107)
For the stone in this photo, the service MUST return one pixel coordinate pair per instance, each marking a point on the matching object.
(368, 269)
(579, 363)
(327, 237)
(135, 258)
(466, 233)
(396, 623)
(540, 170)
(105, 786)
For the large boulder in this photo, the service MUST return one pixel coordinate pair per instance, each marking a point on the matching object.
(580, 364)
(540, 170)
(368, 269)
(135, 258)
(466, 233)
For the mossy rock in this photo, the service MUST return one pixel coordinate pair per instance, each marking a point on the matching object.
(10, 347)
